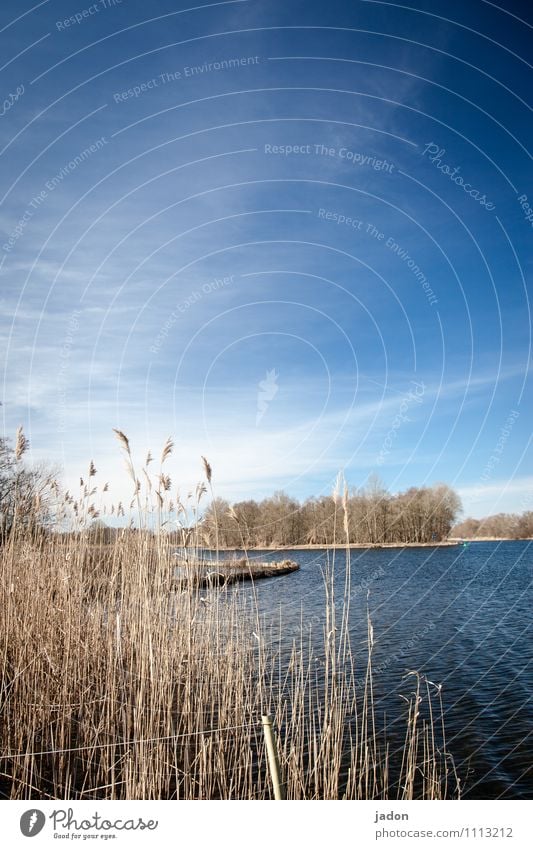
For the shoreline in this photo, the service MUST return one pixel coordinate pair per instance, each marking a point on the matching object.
(496, 539)
(448, 543)
(343, 546)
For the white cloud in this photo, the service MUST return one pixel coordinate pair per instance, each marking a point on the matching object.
(499, 496)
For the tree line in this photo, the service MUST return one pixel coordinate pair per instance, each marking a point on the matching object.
(369, 515)
(502, 525)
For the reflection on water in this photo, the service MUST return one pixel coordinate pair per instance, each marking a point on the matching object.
(461, 616)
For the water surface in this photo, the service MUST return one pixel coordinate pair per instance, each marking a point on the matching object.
(460, 615)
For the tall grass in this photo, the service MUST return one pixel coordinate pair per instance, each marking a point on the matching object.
(117, 684)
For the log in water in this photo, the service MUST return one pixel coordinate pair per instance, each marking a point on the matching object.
(225, 572)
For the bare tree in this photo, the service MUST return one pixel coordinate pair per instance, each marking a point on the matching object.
(421, 514)
(27, 492)
(501, 525)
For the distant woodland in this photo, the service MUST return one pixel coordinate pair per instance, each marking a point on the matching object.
(420, 515)
(506, 525)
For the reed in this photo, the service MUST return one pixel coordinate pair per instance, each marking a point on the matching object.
(115, 684)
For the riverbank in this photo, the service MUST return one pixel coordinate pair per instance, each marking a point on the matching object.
(343, 546)
(494, 539)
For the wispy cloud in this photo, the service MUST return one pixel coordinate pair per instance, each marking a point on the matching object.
(112, 308)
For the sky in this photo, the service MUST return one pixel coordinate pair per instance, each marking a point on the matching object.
(294, 236)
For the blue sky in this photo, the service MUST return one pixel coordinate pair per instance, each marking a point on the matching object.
(294, 236)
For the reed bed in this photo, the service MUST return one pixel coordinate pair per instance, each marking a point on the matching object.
(115, 684)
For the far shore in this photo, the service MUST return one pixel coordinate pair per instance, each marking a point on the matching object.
(341, 546)
(495, 539)
(447, 543)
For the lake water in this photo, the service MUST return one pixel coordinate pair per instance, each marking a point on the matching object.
(460, 615)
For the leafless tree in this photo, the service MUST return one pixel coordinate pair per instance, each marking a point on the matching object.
(421, 514)
(27, 493)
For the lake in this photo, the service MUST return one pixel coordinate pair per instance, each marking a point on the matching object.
(460, 615)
